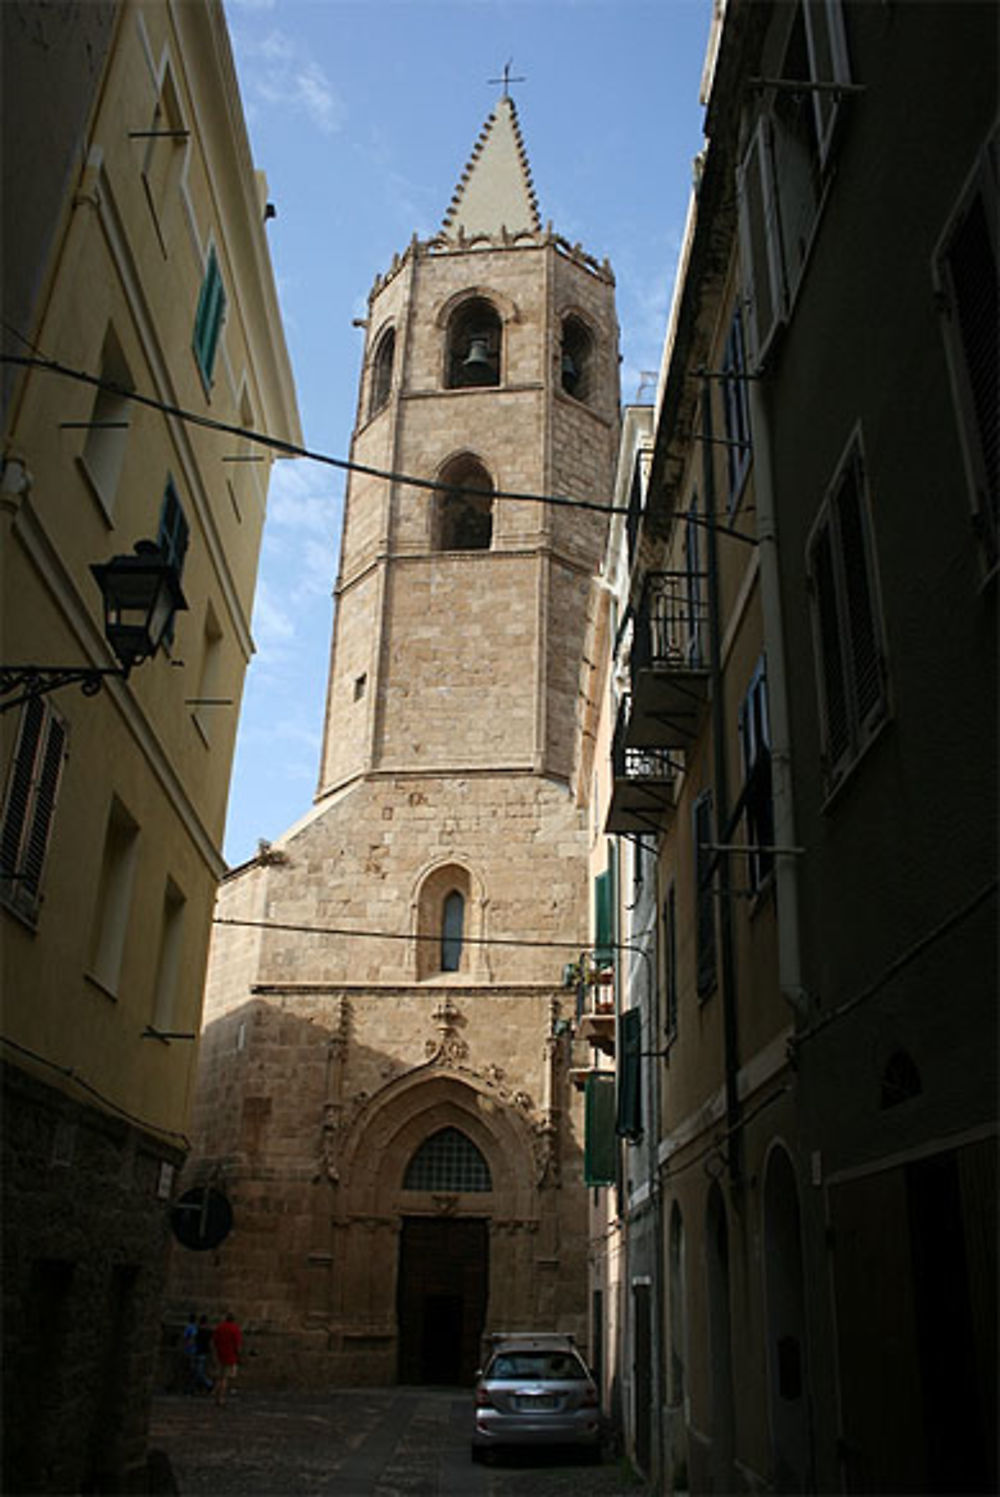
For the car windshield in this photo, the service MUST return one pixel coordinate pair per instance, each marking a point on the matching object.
(538, 1366)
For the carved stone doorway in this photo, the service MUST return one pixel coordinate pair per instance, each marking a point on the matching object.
(443, 1287)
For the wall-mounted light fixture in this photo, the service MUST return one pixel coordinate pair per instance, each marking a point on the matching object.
(142, 593)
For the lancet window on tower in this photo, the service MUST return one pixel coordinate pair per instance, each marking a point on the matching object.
(382, 363)
(474, 345)
(463, 512)
(443, 911)
(576, 358)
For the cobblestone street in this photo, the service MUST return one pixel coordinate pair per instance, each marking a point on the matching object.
(395, 1442)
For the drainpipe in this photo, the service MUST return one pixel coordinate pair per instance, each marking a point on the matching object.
(734, 1148)
(785, 866)
(658, 1442)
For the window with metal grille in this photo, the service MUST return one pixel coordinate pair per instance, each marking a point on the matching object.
(847, 626)
(448, 1160)
(32, 787)
(208, 318)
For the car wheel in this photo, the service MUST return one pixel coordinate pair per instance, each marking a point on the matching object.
(477, 1455)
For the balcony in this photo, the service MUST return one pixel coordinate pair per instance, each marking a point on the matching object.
(670, 679)
(596, 1020)
(643, 783)
(593, 978)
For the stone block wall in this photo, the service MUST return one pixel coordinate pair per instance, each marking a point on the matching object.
(85, 1229)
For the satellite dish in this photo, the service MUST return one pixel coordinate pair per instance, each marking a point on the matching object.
(201, 1218)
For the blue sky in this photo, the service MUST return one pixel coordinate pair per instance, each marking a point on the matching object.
(363, 114)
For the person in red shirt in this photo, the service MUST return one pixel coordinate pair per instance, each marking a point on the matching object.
(227, 1342)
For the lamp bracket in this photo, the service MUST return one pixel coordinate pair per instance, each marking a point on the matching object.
(30, 681)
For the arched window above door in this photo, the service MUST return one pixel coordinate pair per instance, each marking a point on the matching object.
(463, 512)
(474, 345)
(448, 1160)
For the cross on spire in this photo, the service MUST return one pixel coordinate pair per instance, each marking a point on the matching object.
(506, 79)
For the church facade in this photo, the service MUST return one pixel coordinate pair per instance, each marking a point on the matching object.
(384, 1096)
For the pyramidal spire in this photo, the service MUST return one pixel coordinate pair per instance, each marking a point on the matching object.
(495, 190)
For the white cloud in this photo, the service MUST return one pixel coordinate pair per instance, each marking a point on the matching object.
(276, 70)
(272, 625)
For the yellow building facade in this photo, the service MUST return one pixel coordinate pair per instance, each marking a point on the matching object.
(140, 268)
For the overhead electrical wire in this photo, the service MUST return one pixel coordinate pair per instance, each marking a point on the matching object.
(285, 448)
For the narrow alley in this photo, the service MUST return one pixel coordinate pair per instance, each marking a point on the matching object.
(367, 1442)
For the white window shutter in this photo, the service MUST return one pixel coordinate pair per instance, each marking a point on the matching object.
(760, 240)
(828, 63)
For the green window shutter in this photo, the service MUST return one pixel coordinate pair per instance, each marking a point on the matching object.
(629, 1120)
(599, 1151)
(208, 318)
(604, 917)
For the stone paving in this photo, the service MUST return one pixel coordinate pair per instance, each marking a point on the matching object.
(395, 1442)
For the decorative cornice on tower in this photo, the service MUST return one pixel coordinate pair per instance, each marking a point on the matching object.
(495, 191)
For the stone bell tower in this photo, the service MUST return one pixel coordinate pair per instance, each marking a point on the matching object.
(383, 1094)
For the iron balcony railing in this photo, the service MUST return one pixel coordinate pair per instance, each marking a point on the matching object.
(671, 623)
(638, 765)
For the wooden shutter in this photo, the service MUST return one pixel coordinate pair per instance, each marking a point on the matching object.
(704, 895)
(174, 534)
(862, 632)
(46, 786)
(208, 318)
(20, 787)
(629, 1121)
(828, 63)
(760, 240)
(31, 797)
(599, 1152)
(971, 260)
(833, 683)
(604, 916)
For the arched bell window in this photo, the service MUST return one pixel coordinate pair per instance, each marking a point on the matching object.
(382, 371)
(475, 337)
(576, 358)
(463, 518)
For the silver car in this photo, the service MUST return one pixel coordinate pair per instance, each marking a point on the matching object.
(536, 1390)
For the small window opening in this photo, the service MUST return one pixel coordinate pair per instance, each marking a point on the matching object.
(474, 342)
(452, 928)
(360, 686)
(900, 1081)
(382, 372)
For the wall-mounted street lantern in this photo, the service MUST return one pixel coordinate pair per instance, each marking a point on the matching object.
(141, 593)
